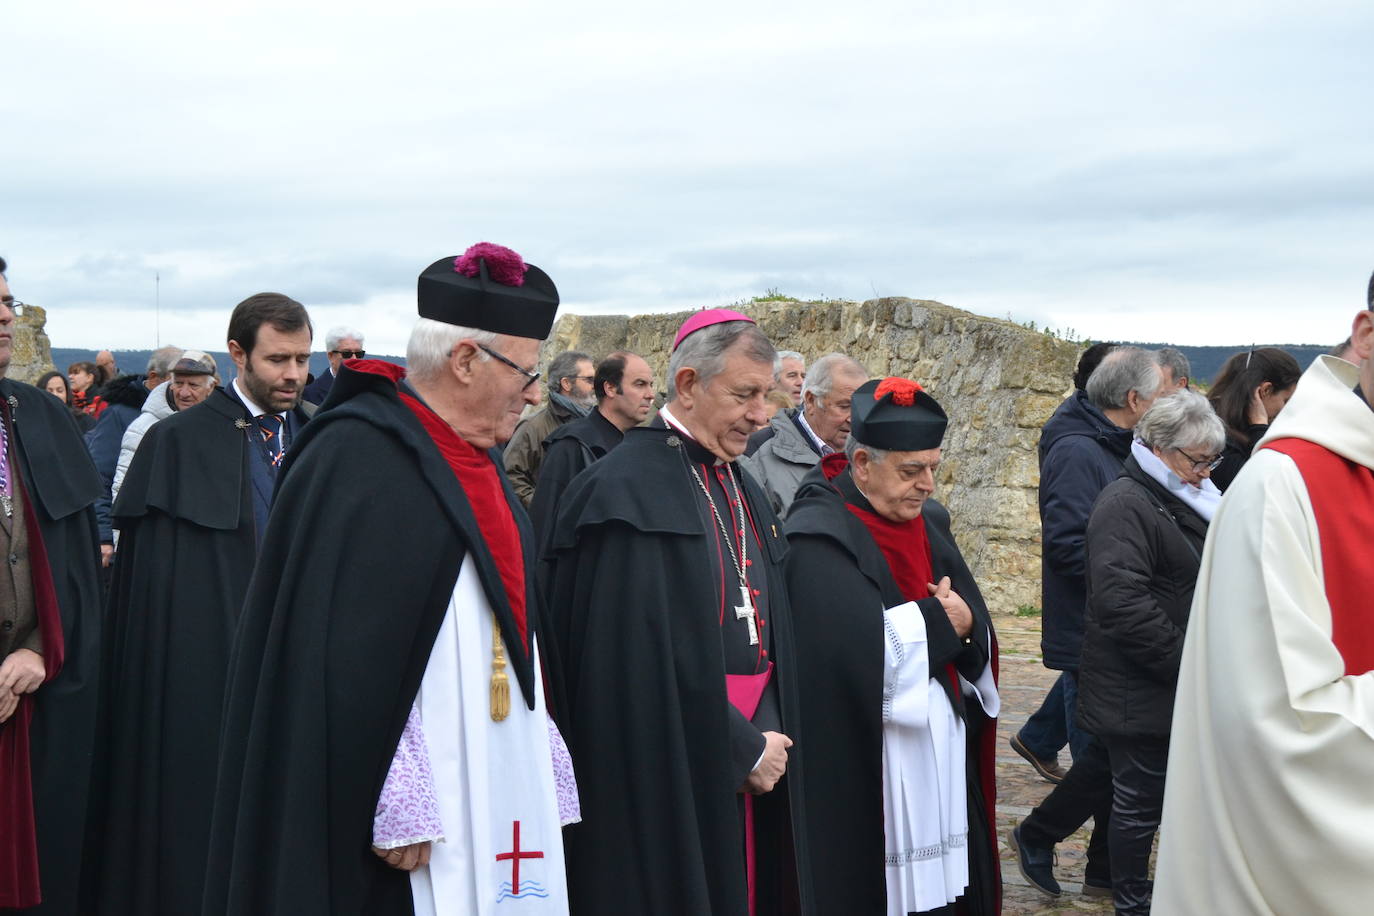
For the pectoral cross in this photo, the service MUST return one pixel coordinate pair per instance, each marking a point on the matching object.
(746, 612)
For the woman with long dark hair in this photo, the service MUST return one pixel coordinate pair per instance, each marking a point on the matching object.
(56, 384)
(1248, 394)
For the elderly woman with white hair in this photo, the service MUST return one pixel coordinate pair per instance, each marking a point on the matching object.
(1144, 547)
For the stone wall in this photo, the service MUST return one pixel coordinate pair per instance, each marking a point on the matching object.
(31, 353)
(998, 381)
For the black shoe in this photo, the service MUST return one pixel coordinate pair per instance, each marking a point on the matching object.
(1091, 888)
(1035, 863)
(1049, 770)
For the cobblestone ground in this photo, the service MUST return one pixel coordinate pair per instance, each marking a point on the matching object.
(1024, 683)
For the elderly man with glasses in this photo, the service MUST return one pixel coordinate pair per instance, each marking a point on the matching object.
(396, 714)
(340, 343)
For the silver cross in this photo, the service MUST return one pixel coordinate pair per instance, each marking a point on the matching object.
(746, 612)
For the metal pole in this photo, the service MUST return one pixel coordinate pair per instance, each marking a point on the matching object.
(157, 310)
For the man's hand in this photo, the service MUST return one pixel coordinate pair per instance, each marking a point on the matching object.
(106, 555)
(21, 672)
(406, 858)
(774, 763)
(956, 608)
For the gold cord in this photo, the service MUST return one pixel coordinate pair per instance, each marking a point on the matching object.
(500, 684)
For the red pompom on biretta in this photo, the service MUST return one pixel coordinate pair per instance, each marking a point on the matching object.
(901, 416)
(903, 390)
(504, 266)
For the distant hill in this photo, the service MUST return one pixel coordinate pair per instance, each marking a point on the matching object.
(137, 360)
(1206, 362)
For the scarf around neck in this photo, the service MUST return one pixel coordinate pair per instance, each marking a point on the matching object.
(1203, 500)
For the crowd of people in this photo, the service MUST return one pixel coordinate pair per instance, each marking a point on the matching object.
(402, 640)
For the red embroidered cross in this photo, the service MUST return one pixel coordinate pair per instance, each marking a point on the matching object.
(515, 855)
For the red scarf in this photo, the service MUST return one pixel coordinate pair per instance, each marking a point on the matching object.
(481, 482)
(904, 545)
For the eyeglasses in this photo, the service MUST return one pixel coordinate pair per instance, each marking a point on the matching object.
(1207, 464)
(530, 376)
(350, 354)
(581, 378)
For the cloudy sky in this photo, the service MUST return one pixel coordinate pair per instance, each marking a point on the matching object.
(1194, 172)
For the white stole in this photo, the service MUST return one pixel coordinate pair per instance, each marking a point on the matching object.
(488, 776)
(925, 791)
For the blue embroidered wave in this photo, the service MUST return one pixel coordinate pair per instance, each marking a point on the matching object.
(527, 889)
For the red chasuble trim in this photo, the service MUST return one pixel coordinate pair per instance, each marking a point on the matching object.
(481, 482)
(1342, 495)
(20, 885)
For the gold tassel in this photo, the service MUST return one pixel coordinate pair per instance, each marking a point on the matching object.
(500, 685)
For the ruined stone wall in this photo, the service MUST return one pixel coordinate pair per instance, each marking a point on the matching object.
(31, 355)
(998, 381)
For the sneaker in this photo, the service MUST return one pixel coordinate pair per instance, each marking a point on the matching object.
(1035, 864)
(1050, 770)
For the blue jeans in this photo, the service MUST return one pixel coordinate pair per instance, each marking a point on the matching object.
(1052, 725)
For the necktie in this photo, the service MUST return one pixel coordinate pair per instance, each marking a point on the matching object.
(273, 428)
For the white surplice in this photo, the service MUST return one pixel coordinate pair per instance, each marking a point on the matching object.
(925, 788)
(1269, 802)
(488, 777)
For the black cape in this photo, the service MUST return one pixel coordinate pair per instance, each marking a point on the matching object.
(568, 451)
(62, 485)
(187, 547)
(334, 640)
(641, 699)
(840, 582)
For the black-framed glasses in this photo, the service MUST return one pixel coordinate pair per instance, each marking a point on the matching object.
(1208, 464)
(581, 378)
(530, 376)
(350, 354)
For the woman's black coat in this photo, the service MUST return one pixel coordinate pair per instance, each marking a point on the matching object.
(1144, 547)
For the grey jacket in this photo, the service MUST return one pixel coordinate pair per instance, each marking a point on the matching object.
(782, 460)
(524, 453)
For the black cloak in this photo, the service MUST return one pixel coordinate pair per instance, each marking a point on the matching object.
(62, 485)
(186, 551)
(641, 698)
(568, 451)
(839, 582)
(334, 640)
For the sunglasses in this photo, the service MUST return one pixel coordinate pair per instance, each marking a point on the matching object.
(350, 354)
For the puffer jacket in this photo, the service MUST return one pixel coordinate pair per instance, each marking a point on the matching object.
(1144, 549)
(124, 398)
(782, 460)
(1081, 451)
(159, 406)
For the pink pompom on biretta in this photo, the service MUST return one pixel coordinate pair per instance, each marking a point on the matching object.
(503, 265)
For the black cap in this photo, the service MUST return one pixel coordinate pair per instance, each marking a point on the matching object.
(896, 414)
(490, 288)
